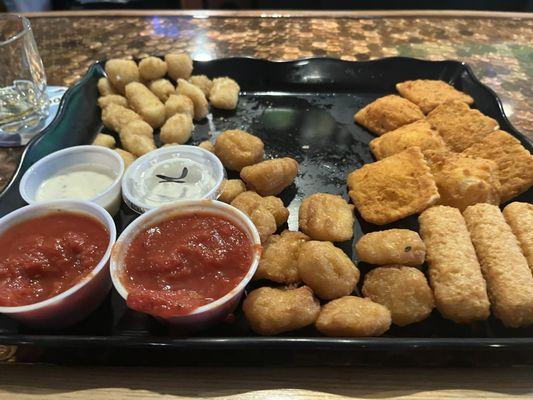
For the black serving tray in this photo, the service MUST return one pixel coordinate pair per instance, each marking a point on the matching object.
(303, 109)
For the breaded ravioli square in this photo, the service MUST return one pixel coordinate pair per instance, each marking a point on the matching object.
(387, 114)
(393, 188)
(428, 94)
(514, 162)
(419, 133)
(459, 125)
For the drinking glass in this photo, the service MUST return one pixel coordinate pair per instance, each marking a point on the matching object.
(23, 100)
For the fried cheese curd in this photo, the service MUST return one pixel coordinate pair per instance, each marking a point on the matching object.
(114, 117)
(279, 261)
(387, 114)
(152, 68)
(327, 270)
(120, 73)
(104, 140)
(393, 246)
(272, 311)
(270, 177)
(238, 149)
(463, 181)
(177, 129)
(428, 94)
(325, 216)
(224, 93)
(393, 188)
(203, 82)
(146, 104)
(104, 101)
(519, 216)
(179, 65)
(104, 87)
(403, 290)
(352, 316)
(162, 88)
(178, 103)
(127, 157)
(137, 138)
(210, 147)
(201, 106)
(231, 188)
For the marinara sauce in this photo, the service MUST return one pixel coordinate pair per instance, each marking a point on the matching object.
(185, 262)
(42, 257)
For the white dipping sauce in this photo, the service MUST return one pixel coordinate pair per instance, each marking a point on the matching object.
(81, 182)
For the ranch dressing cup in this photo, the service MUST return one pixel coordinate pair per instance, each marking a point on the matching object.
(172, 174)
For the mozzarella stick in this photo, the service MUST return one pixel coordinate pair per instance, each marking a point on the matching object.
(454, 271)
(509, 279)
(519, 216)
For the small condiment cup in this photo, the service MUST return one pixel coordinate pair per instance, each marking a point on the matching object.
(75, 303)
(208, 314)
(67, 158)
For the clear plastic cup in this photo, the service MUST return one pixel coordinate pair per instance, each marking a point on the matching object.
(77, 157)
(215, 311)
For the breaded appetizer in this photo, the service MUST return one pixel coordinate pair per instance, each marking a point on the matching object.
(352, 316)
(403, 290)
(459, 125)
(120, 73)
(279, 261)
(207, 145)
(238, 149)
(428, 94)
(419, 133)
(203, 82)
(162, 88)
(224, 93)
(114, 117)
(325, 216)
(393, 246)
(509, 279)
(387, 114)
(177, 129)
(127, 157)
(179, 65)
(272, 311)
(152, 68)
(201, 106)
(327, 270)
(270, 177)
(514, 162)
(454, 271)
(178, 103)
(104, 101)
(104, 87)
(393, 188)
(105, 141)
(137, 138)
(146, 104)
(230, 189)
(519, 216)
(463, 181)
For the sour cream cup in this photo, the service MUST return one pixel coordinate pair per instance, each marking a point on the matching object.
(72, 157)
(209, 314)
(75, 303)
(171, 174)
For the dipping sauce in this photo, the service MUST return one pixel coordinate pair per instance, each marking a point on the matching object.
(81, 182)
(185, 262)
(42, 257)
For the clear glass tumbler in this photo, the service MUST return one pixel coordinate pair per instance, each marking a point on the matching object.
(23, 100)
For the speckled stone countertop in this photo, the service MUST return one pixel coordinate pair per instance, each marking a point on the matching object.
(498, 48)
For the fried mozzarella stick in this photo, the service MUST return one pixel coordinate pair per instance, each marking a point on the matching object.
(519, 216)
(509, 279)
(454, 271)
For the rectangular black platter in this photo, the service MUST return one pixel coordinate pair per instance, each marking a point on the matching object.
(302, 109)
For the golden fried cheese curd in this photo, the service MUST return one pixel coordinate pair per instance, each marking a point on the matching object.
(152, 68)
(270, 177)
(230, 189)
(238, 149)
(121, 72)
(179, 65)
(224, 93)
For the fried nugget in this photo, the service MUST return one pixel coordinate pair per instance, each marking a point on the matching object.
(146, 104)
(178, 103)
(463, 181)
(454, 271)
(509, 279)
(327, 270)
(238, 149)
(264, 221)
(419, 133)
(201, 106)
(325, 216)
(203, 82)
(428, 94)
(152, 68)
(127, 157)
(224, 93)
(248, 201)
(231, 188)
(403, 290)
(514, 162)
(352, 316)
(459, 125)
(207, 145)
(393, 246)
(387, 114)
(393, 188)
(121, 72)
(104, 87)
(279, 261)
(104, 101)
(272, 311)
(179, 65)
(270, 177)
(115, 117)
(104, 140)
(519, 216)
(177, 129)
(137, 138)
(162, 88)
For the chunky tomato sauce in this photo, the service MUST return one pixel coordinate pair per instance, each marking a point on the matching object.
(42, 257)
(185, 262)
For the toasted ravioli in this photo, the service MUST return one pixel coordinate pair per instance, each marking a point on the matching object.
(326, 216)
(459, 125)
(519, 216)
(419, 133)
(393, 188)
(463, 181)
(428, 94)
(279, 261)
(514, 162)
(387, 114)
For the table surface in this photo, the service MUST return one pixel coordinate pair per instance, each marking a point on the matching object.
(496, 45)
